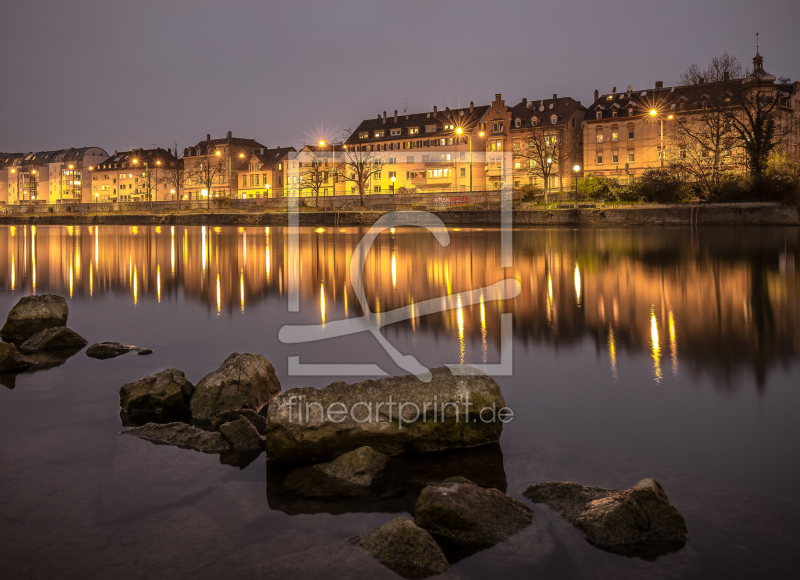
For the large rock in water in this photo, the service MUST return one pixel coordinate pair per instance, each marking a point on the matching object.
(358, 467)
(610, 517)
(162, 392)
(460, 511)
(392, 415)
(405, 548)
(243, 381)
(241, 434)
(59, 337)
(12, 360)
(182, 435)
(109, 349)
(33, 314)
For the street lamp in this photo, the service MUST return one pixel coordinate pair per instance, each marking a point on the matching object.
(393, 178)
(654, 113)
(576, 168)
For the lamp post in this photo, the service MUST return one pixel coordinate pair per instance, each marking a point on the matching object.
(459, 130)
(654, 113)
(393, 178)
(547, 180)
(576, 168)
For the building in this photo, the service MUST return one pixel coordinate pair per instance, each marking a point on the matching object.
(211, 168)
(62, 176)
(135, 175)
(437, 151)
(536, 133)
(265, 172)
(634, 130)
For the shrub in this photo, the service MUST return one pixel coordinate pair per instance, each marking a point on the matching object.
(660, 186)
(531, 192)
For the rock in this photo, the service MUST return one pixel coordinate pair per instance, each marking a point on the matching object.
(33, 314)
(321, 424)
(302, 489)
(144, 351)
(359, 467)
(405, 548)
(12, 360)
(241, 434)
(464, 513)
(243, 381)
(182, 435)
(162, 392)
(640, 515)
(108, 349)
(256, 420)
(59, 337)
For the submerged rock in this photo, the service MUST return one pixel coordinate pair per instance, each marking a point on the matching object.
(640, 516)
(162, 392)
(256, 420)
(464, 513)
(182, 435)
(359, 467)
(241, 434)
(109, 349)
(405, 548)
(59, 337)
(144, 351)
(33, 314)
(243, 381)
(12, 360)
(391, 415)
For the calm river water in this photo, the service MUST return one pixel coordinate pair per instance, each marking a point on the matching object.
(642, 352)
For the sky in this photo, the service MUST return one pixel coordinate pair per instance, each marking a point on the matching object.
(120, 75)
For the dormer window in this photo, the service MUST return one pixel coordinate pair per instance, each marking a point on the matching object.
(598, 115)
(413, 130)
(379, 133)
(630, 112)
(614, 113)
(517, 122)
(553, 119)
(533, 121)
(395, 132)
(363, 135)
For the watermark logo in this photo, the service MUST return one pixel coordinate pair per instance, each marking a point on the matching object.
(372, 323)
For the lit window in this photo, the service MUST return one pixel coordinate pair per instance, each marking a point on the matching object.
(631, 157)
(379, 133)
(413, 130)
(599, 136)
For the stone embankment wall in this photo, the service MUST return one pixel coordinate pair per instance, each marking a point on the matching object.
(718, 214)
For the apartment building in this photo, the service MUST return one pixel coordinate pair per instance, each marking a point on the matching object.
(61, 176)
(550, 126)
(264, 173)
(135, 175)
(436, 151)
(212, 166)
(630, 131)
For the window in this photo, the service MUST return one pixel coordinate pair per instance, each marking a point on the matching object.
(391, 160)
(413, 130)
(392, 174)
(280, 180)
(363, 135)
(410, 159)
(463, 172)
(280, 166)
(599, 159)
(553, 119)
(630, 112)
(395, 132)
(517, 165)
(534, 121)
(615, 156)
(515, 144)
(496, 145)
(631, 132)
(444, 157)
(598, 115)
(550, 140)
(377, 189)
(683, 153)
(614, 133)
(614, 113)
(377, 176)
(494, 127)
(599, 136)
(379, 133)
(631, 157)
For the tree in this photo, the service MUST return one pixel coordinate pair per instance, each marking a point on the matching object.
(173, 175)
(542, 154)
(206, 171)
(313, 173)
(360, 162)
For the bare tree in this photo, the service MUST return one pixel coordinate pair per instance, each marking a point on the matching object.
(360, 163)
(173, 175)
(542, 154)
(206, 171)
(313, 173)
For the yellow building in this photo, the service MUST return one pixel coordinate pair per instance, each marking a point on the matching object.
(136, 175)
(264, 173)
(225, 157)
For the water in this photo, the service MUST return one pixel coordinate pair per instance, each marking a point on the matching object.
(641, 352)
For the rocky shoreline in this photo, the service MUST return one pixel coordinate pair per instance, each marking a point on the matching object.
(678, 214)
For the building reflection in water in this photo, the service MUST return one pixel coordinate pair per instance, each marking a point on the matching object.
(728, 299)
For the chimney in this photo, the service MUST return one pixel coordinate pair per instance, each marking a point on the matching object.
(471, 107)
(659, 84)
(384, 117)
(262, 151)
(498, 96)
(555, 96)
(524, 100)
(434, 110)
(229, 135)
(208, 136)
(395, 115)
(596, 95)
(726, 76)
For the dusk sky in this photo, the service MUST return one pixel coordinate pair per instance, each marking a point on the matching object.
(121, 75)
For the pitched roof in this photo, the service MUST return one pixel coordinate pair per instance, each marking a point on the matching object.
(542, 110)
(271, 157)
(122, 159)
(39, 158)
(459, 117)
(211, 144)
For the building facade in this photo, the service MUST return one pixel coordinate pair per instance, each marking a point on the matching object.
(264, 173)
(136, 175)
(211, 168)
(61, 176)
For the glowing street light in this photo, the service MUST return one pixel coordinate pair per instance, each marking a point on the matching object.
(322, 143)
(393, 178)
(135, 161)
(459, 130)
(576, 168)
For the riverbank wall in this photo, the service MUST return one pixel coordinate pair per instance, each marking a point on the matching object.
(685, 214)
